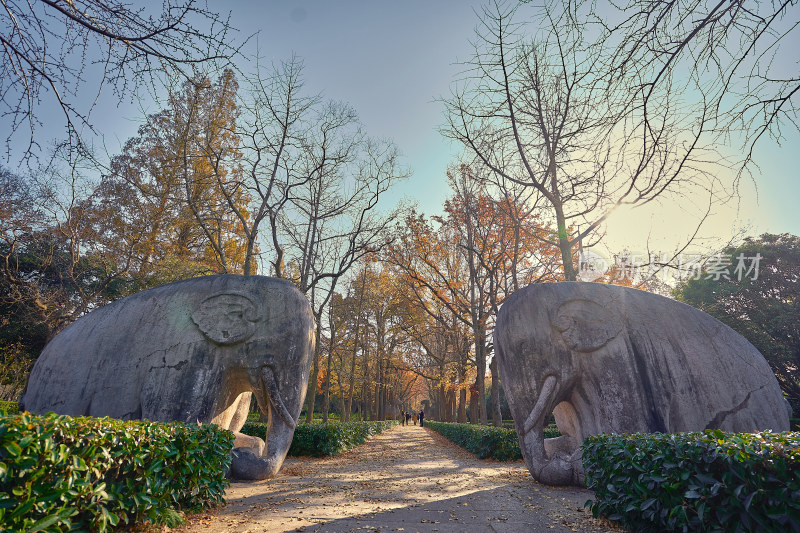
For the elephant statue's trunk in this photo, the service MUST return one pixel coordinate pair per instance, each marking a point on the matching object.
(551, 461)
(246, 465)
(276, 402)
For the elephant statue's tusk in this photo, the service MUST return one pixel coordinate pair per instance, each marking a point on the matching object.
(271, 385)
(548, 387)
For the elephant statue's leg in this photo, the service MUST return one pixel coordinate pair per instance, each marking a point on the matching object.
(554, 461)
(234, 418)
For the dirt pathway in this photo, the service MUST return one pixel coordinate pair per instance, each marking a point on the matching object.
(406, 479)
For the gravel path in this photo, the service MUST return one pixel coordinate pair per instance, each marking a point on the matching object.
(406, 479)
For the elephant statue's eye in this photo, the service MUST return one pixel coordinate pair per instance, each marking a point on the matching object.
(586, 325)
(563, 323)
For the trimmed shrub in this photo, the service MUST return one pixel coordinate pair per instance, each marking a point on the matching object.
(322, 440)
(8, 408)
(487, 442)
(64, 473)
(551, 431)
(256, 417)
(709, 481)
(254, 428)
(318, 416)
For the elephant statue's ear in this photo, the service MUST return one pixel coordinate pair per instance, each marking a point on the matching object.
(227, 318)
(586, 325)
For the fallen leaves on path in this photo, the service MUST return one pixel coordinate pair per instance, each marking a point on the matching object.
(407, 478)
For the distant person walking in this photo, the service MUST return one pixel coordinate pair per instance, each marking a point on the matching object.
(408, 418)
(422, 418)
(414, 418)
(402, 417)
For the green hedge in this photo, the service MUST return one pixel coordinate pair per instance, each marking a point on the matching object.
(254, 428)
(8, 408)
(59, 473)
(487, 442)
(321, 440)
(256, 417)
(708, 481)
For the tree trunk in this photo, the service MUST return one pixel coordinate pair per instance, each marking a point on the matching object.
(564, 245)
(480, 379)
(312, 385)
(376, 398)
(462, 395)
(451, 406)
(326, 404)
(365, 389)
(352, 386)
(342, 405)
(497, 415)
(473, 403)
(248, 268)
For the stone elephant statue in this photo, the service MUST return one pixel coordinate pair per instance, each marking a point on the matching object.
(190, 351)
(609, 359)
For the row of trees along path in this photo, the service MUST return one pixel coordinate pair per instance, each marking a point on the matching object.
(409, 479)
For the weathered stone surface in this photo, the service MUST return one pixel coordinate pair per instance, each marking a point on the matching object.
(254, 444)
(608, 359)
(191, 351)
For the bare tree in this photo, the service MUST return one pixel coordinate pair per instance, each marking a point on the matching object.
(60, 254)
(51, 48)
(276, 128)
(334, 220)
(541, 112)
(738, 57)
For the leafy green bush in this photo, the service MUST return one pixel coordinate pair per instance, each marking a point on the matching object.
(254, 428)
(318, 416)
(256, 417)
(8, 408)
(333, 438)
(550, 431)
(709, 481)
(62, 473)
(487, 442)
(320, 440)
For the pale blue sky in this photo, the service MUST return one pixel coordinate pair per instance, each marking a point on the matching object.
(390, 60)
